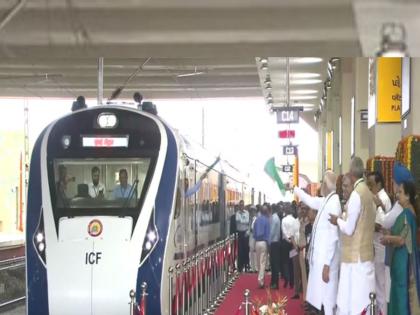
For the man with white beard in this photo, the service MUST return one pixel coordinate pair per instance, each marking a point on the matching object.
(323, 253)
(357, 270)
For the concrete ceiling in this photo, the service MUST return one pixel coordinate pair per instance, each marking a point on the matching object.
(159, 77)
(50, 47)
(181, 28)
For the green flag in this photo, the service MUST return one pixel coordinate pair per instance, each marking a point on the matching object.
(271, 170)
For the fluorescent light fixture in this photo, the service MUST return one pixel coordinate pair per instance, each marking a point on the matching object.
(327, 84)
(305, 81)
(263, 59)
(304, 75)
(268, 86)
(264, 66)
(303, 97)
(306, 60)
(303, 92)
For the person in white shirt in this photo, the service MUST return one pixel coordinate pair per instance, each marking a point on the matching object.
(242, 227)
(288, 224)
(357, 270)
(375, 182)
(252, 252)
(96, 189)
(323, 254)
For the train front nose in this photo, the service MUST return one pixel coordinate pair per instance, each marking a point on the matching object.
(101, 278)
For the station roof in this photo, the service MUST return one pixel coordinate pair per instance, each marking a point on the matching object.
(50, 48)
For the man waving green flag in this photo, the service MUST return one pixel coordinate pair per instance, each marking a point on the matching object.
(271, 170)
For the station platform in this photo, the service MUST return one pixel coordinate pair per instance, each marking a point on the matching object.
(11, 246)
(234, 302)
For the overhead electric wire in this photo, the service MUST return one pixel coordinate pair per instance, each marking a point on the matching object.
(119, 89)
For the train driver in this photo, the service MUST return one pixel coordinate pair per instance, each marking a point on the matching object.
(96, 189)
(122, 190)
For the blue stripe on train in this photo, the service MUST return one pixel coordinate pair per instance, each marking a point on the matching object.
(37, 285)
(151, 270)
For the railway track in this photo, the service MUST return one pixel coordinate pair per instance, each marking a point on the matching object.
(12, 282)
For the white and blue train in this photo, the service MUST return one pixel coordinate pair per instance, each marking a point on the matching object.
(91, 238)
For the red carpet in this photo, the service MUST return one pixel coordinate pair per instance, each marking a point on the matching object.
(249, 281)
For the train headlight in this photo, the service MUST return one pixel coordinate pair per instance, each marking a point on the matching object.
(107, 120)
(150, 239)
(39, 237)
(41, 247)
(151, 236)
(66, 141)
(148, 245)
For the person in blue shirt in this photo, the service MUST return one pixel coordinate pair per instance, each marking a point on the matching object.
(261, 233)
(122, 190)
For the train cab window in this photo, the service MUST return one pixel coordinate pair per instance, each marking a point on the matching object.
(100, 183)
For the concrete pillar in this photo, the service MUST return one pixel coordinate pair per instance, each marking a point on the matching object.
(347, 90)
(361, 76)
(411, 124)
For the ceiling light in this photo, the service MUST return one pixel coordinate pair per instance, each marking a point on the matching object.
(329, 73)
(304, 75)
(303, 92)
(334, 61)
(393, 41)
(264, 66)
(301, 104)
(269, 97)
(267, 80)
(303, 97)
(268, 86)
(270, 102)
(305, 81)
(330, 67)
(327, 84)
(306, 60)
(263, 59)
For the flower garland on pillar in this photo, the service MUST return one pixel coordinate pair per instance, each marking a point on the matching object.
(408, 153)
(385, 166)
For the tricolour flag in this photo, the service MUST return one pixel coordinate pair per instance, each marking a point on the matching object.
(271, 170)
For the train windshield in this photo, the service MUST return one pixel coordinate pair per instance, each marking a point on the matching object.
(100, 183)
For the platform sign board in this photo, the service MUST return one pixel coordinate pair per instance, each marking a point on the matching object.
(289, 150)
(287, 168)
(388, 80)
(286, 134)
(288, 115)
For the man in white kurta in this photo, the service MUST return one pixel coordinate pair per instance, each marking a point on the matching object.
(375, 182)
(323, 254)
(357, 270)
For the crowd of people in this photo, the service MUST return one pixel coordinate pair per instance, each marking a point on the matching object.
(336, 248)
